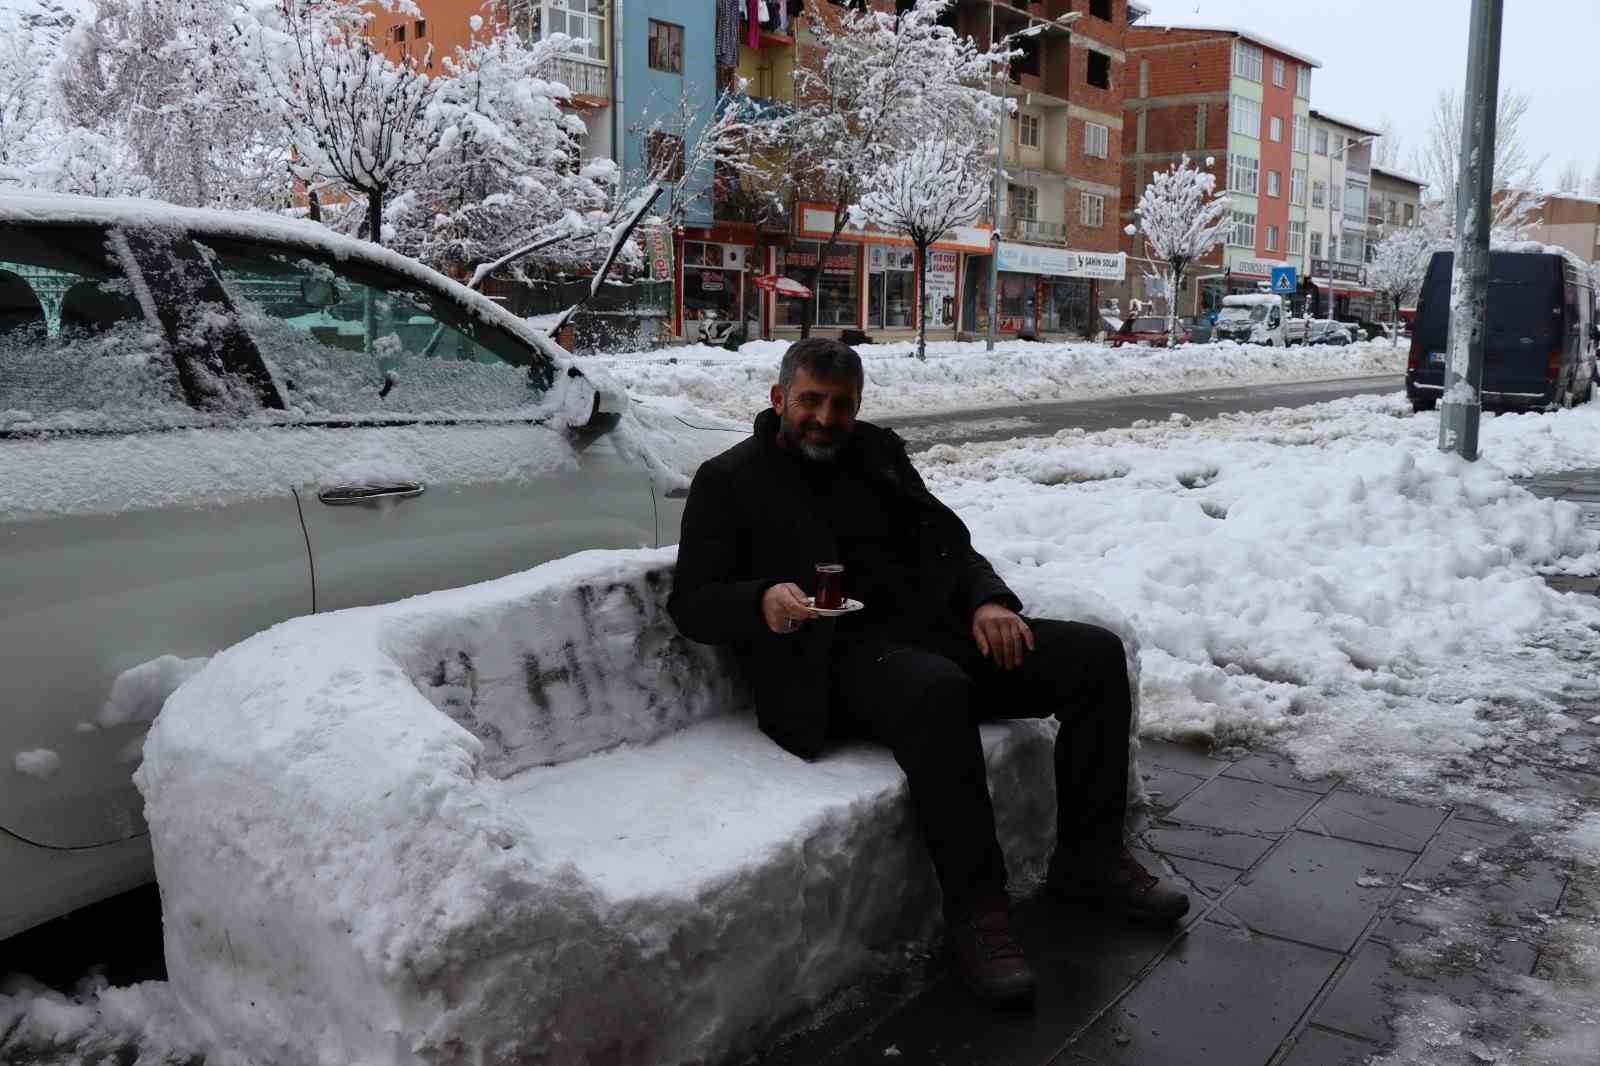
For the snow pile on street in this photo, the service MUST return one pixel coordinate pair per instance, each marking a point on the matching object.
(1322, 577)
(963, 375)
(521, 821)
(97, 1024)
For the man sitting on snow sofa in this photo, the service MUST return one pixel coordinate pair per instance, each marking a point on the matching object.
(936, 646)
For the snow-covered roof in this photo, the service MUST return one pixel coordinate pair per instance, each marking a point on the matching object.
(1390, 172)
(1240, 31)
(1346, 123)
(41, 207)
(1572, 197)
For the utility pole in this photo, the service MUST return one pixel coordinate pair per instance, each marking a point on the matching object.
(1469, 288)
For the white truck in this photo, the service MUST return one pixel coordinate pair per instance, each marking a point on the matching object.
(1252, 318)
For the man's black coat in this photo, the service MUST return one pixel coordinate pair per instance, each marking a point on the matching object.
(748, 526)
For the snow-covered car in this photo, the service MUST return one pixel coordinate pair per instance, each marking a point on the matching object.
(212, 422)
(1252, 318)
(1151, 332)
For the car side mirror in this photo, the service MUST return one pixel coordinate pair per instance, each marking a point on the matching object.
(319, 292)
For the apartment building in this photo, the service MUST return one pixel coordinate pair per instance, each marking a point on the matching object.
(1393, 201)
(1341, 182)
(1237, 104)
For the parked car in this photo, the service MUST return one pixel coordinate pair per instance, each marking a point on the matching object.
(211, 422)
(1151, 332)
(1540, 332)
(1199, 327)
(1253, 318)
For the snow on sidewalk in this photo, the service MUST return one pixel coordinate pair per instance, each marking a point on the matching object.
(1321, 578)
(963, 375)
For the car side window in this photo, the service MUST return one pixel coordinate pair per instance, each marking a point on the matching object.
(77, 350)
(344, 338)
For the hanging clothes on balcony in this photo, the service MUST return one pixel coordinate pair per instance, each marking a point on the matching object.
(728, 15)
(752, 23)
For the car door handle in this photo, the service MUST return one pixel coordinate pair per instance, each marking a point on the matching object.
(345, 495)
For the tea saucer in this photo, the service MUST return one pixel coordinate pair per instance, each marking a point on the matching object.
(833, 612)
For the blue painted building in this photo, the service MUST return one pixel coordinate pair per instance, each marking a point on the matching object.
(665, 51)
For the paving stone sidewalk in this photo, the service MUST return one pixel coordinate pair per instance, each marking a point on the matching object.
(1315, 912)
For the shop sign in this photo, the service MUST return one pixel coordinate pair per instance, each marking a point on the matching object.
(658, 242)
(710, 281)
(837, 264)
(939, 310)
(816, 223)
(1255, 268)
(1062, 262)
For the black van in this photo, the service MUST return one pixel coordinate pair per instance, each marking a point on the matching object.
(1542, 332)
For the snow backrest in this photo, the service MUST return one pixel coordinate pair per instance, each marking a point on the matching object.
(544, 671)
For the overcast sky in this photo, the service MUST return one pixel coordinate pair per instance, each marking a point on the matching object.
(1389, 59)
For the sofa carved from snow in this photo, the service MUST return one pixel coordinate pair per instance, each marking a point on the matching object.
(525, 822)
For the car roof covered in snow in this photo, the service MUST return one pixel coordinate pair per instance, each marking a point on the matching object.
(37, 208)
(1252, 299)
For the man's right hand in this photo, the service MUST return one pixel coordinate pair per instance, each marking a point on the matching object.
(784, 608)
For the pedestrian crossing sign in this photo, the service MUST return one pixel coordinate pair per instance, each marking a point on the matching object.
(1284, 282)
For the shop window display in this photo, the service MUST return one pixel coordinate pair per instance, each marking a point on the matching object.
(838, 289)
(714, 281)
(891, 287)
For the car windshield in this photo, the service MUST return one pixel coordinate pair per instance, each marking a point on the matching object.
(1148, 325)
(1239, 316)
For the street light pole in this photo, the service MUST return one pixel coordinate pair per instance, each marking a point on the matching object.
(1035, 27)
(1469, 288)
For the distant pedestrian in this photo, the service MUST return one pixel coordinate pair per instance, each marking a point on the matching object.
(937, 647)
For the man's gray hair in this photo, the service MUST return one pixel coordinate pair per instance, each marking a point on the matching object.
(823, 358)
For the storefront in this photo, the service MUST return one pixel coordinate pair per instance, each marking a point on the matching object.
(838, 288)
(716, 284)
(1042, 290)
(1352, 302)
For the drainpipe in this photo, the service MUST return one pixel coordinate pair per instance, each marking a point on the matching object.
(618, 154)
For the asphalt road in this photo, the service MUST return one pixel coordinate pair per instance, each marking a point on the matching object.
(1032, 420)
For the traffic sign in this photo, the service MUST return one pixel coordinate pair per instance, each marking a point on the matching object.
(1284, 281)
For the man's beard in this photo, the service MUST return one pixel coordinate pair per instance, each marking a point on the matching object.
(815, 452)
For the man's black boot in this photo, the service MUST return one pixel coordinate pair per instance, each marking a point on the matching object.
(988, 955)
(1116, 881)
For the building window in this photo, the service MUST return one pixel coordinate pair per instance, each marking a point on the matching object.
(1274, 183)
(1092, 210)
(1411, 214)
(1297, 238)
(1096, 139)
(1100, 9)
(1244, 174)
(664, 155)
(1319, 194)
(891, 286)
(838, 286)
(1393, 211)
(1272, 238)
(1024, 201)
(1278, 78)
(580, 19)
(397, 34)
(1302, 82)
(1302, 134)
(1321, 141)
(1275, 129)
(421, 29)
(666, 47)
(1099, 70)
(1297, 188)
(1244, 230)
(1246, 60)
(1246, 119)
(1316, 246)
(1352, 245)
(714, 281)
(1028, 130)
(1355, 200)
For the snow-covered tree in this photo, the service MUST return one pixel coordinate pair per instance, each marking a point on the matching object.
(1182, 218)
(354, 118)
(507, 169)
(25, 57)
(1516, 171)
(1399, 264)
(1386, 150)
(692, 149)
(924, 194)
(883, 83)
(1592, 186)
(1570, 177)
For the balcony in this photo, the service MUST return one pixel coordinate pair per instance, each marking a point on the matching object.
(1033, 230)
(590, 82)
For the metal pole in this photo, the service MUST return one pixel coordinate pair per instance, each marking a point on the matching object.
(994, 201)
(1469, 288)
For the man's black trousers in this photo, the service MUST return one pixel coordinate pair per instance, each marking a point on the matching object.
(925, 706)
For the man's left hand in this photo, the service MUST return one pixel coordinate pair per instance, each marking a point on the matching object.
(1002, 636)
